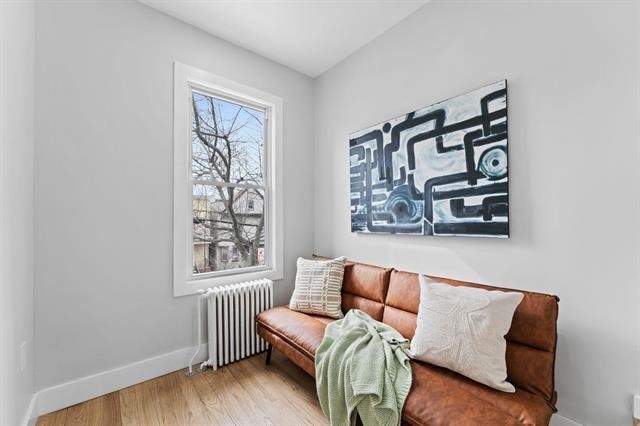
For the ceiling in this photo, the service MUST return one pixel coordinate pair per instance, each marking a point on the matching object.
(307, 35)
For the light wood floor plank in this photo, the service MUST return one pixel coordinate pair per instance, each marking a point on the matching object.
(57, 418)
(199, 414)
(241, 407)
(210, 398)
(77, 415)
(266, 387)
(244, 393)
(93, 411)
(174, 407)
(298, 385)
(131, 412)
(150, 406)
(104, 411)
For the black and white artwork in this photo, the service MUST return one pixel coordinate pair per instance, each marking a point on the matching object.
(440, 170)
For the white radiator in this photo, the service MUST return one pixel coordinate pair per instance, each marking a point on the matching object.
(231, 320)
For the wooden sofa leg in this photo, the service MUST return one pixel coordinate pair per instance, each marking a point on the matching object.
(269, 350)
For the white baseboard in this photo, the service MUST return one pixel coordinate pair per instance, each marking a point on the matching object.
(30, 416)
(558, 420)
(83, 389)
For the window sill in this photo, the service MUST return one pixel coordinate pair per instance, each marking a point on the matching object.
(190, 287)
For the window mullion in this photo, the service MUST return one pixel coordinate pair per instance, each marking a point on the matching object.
(212, 182)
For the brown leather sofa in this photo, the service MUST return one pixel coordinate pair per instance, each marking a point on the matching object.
(438, 396)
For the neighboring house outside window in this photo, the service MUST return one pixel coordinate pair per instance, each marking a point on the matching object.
(227, 183)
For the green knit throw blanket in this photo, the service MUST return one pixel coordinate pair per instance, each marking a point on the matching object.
(362, 369)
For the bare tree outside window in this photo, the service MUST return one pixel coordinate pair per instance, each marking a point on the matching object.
(228, 184)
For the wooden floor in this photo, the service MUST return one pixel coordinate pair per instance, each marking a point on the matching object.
(244, 393)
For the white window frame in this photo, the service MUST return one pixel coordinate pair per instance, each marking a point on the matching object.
(187, 78)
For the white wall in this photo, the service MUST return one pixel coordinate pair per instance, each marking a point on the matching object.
(573, 74)
(17, 46)
(104, 117)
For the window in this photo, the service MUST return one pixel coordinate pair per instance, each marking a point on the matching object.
(227, 177)
(227, 181)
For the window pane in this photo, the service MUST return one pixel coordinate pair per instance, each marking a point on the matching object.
(227, 141)
(228, 228)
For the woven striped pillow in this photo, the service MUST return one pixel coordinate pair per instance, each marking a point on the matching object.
(318, 285)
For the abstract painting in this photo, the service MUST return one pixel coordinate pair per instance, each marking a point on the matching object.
(440, 170)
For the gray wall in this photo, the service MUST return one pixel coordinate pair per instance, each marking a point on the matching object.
(572, 70)
(104, 83)
(17, 33)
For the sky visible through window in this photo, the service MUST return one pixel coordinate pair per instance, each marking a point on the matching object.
(243, 126)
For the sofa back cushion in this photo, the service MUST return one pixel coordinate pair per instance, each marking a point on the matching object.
(365, 288)
(393, 297)
(402, 302)
(531, 341)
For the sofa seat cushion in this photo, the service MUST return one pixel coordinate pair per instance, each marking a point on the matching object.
(303, 331)
(441, 397)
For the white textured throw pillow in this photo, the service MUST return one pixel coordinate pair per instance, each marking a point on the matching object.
(463, 329)
(317, 288)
